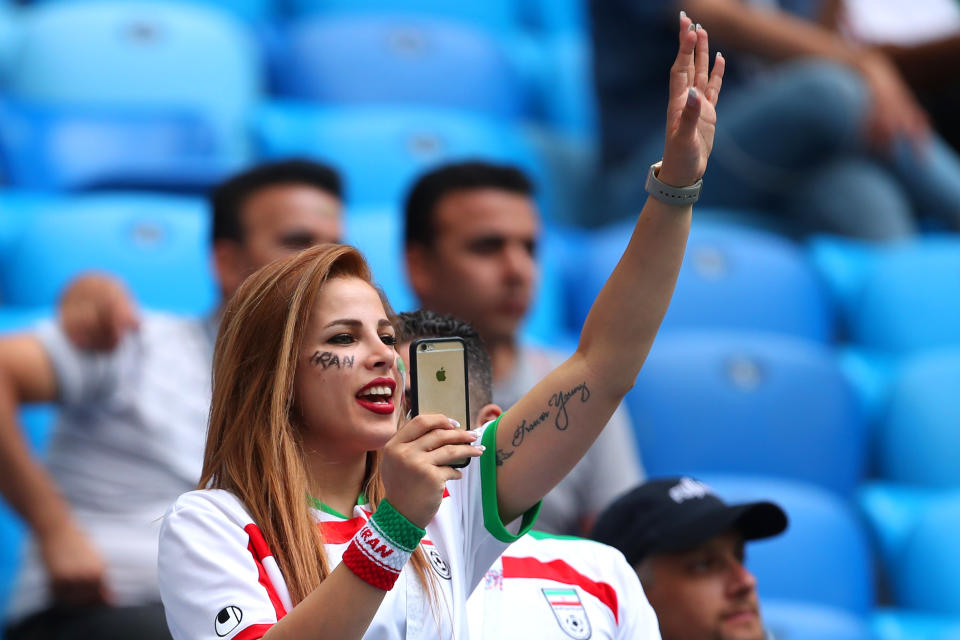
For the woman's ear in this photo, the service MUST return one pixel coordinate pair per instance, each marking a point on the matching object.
(487, 413)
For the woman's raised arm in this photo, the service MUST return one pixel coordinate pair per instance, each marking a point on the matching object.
(544, 435)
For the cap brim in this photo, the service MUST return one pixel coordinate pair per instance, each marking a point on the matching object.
(753, 520)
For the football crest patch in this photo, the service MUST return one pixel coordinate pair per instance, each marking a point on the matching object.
(569, 612)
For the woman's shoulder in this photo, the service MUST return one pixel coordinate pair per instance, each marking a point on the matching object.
(210, 503)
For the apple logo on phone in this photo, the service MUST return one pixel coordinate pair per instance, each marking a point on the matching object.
(441, 375)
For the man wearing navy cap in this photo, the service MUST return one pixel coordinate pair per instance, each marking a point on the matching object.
(687, 546)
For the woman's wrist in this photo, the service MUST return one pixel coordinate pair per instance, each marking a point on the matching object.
(382, 547)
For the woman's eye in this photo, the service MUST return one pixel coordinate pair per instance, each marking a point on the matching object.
(342, 338)
(389, 339)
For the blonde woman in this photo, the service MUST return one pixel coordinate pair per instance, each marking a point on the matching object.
(317, 516)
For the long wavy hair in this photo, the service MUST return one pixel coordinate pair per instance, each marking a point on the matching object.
(254, 443)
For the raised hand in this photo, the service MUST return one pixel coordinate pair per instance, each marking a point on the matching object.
(96, 311)
(691, 111)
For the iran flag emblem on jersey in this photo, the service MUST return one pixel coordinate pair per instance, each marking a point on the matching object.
(569, 611)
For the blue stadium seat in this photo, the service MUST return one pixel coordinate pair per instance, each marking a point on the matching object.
(748, 403)
(823, 558)
(381, 150)
(901, 624)
(928, 577)
(15, 209)
(843, 265)
(398, 59)
(910, 299)
(159, 246)
(56, 148)
(496, 16)
(378, 234)
(567, 90)
(791, 620)
(9, 37)
(249, 10)
(892, 512)
(140, 55)
(918, 438)
(732, 278)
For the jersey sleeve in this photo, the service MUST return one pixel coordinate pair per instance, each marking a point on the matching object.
(82, 376)
(486, 536)
(212, 585)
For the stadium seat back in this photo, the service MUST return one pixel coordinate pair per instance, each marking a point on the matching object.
(918, 438)
(731, 278)
(928, 578)
(902, 624)
(378, 234)
(53, 148)
(792, 620)
(381, 150)
(496, 16)
(140, 54)
(158, 245)
(823, 558)
(249, 10)
(910, 300)
(399, 59)
(749, 403)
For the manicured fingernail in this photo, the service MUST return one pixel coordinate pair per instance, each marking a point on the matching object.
(698, 26)
(454, 423)
(683, 14)
(691, 27)
(692, 96)
(719, 55)
(472, 435)
(480, 447)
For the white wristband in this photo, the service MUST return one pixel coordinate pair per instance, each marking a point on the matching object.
(677, 196)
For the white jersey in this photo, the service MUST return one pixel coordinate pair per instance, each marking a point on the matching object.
(218, 578)
(551, 587)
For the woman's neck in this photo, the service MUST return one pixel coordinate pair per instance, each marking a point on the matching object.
(337, 482)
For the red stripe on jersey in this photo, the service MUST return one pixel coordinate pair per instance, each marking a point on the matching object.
(446, 494)
(259, 550)
(341, 531)
(253, 632)
(560, 571)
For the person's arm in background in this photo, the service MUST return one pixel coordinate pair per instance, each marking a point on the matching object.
(75, 568)
(777, 35)
(96, 311)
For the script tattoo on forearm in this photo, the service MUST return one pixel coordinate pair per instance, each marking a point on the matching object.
(523, 428)
(326, 359)
(560, 400)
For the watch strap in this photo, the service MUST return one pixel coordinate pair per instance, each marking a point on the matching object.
(677, 196)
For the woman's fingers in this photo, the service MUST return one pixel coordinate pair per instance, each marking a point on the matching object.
(690, 116)
(716, 79)
(682, 74)
(418, 426)
(454, 452)
(702, 60)
(440, 437)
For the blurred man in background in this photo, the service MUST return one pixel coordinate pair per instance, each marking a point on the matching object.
(817, 133)
(543, 586)
(133, 390)
(471, 232)
(687, 547)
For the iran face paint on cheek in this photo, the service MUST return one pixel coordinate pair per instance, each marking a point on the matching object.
(326, 359)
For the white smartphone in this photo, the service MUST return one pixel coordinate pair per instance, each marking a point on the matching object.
(438, 381)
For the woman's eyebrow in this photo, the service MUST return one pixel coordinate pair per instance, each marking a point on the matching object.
(351, 322)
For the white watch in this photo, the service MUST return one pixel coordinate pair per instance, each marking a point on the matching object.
(679, 196)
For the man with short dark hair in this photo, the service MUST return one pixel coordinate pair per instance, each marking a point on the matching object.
(687, 546)
(471, 233)
(133, 414)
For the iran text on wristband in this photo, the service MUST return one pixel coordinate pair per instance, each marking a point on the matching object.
(379, 550)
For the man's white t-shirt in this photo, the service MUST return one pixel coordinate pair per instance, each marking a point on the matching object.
(559, 587)
(218, 578)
